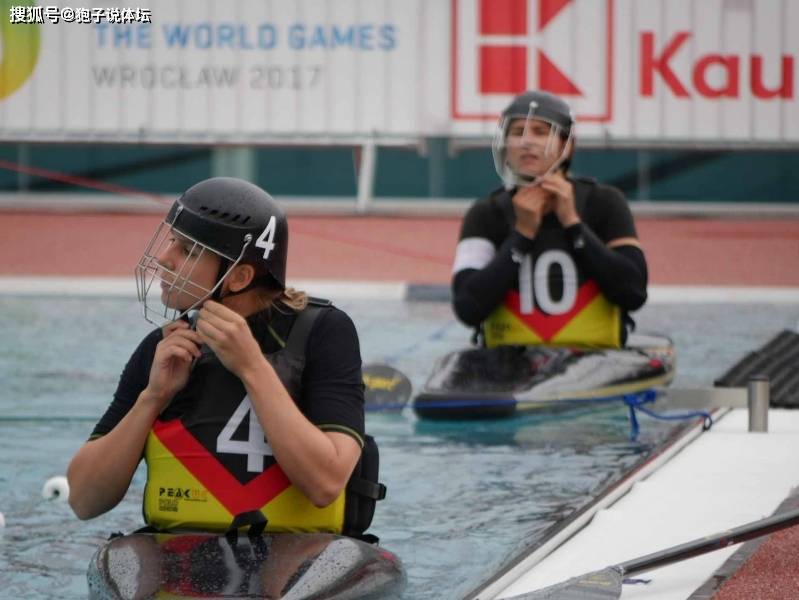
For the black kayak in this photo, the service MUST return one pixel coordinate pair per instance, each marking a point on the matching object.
(281, 565)
(483, 383)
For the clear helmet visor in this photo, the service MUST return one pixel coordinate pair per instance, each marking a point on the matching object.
(527, 147)
(176, 274)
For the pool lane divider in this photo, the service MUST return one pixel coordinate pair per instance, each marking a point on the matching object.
(343, 289)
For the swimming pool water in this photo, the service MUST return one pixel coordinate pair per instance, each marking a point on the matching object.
(462, 497)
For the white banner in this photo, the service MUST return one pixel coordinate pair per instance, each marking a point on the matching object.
(323, 71)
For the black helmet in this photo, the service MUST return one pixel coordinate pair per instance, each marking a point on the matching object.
(230, 218)
(238, 220)
(533, 106)
(545, 106)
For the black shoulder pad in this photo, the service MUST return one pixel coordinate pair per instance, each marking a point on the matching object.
(319, 301)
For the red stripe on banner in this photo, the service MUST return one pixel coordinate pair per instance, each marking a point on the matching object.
(503, 17)
(203, 465)
(548, 326)
(503, 69)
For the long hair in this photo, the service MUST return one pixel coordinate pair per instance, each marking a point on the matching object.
(295, 299)
(289, 297)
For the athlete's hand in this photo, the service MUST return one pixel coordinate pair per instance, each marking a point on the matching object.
(172, 362)
(561, 192)
(227, 333)
(530, 203)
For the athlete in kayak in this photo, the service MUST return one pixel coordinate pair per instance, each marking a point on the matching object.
(248, 399)
(547, 258)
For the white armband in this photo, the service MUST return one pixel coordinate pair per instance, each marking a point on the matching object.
(473, 253)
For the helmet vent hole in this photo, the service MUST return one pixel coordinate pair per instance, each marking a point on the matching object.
(224, 215)
(236, 218)
(247, 218)
(203, 209)
(214, 212)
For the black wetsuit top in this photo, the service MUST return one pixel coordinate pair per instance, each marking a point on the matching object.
(621, 272)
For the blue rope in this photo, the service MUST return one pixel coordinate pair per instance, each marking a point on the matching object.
(636, 401)
(635, 580)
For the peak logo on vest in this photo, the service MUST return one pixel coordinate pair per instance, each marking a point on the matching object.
(169, 498)
(174, 492)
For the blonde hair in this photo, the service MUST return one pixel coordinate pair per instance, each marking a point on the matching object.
(294, 299)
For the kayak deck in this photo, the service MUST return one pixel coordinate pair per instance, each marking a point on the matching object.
(281, 565)
(500, 382)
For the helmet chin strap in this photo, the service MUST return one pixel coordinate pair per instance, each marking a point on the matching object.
(224, 265)
(218, 295)
(225, 268)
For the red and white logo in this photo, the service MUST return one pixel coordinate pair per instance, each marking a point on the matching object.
(503, 47)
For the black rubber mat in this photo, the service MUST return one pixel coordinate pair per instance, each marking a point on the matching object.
(779, 361)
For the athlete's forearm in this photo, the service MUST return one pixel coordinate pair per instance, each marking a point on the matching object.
(309, 457)
(100, 472)
(621, 273)
(477, 292)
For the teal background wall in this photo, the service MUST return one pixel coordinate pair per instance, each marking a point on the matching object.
(708, 176)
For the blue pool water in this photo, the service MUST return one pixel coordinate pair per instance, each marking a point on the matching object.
(462, 497)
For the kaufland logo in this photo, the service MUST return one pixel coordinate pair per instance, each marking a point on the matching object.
(503, 47)
(712, 75)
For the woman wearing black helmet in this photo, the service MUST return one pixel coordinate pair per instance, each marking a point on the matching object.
(244, 400)
(547, 258)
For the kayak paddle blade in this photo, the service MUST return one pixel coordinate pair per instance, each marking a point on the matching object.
(598, 585)
(386, 388)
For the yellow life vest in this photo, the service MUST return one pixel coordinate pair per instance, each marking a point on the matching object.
(579, 316)
(189, 488)
(208, 460)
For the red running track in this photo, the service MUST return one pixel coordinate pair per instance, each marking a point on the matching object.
(771, 573)
(412, 249)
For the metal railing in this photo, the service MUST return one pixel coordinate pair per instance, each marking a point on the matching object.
(755, 397)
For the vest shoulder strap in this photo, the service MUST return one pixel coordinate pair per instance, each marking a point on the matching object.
(298, 336)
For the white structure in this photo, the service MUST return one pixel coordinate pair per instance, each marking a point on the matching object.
(723, 478)
(715, 72)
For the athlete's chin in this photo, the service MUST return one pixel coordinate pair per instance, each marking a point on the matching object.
(528, 173)
(175, 301)
(531, 167)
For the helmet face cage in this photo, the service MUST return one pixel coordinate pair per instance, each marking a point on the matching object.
(230, 219)
(176, 294)
(540, 133)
